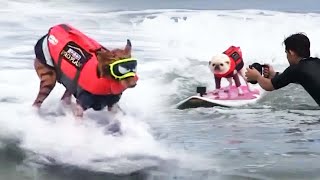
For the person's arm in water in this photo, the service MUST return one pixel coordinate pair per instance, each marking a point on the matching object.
(265, 83)
(277, 81)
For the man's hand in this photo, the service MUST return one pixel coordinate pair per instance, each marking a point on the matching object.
(252, 74)
(268, 71)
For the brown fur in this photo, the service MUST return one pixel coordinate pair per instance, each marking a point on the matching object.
(48, 76)
(106, 57)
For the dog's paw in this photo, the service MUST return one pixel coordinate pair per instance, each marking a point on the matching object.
(240, 92)
(35, 109)
(226, 90)
(36, 105)
(66, 101)
(66, 98)
(116, 109)
(216, 92)
(78, 111)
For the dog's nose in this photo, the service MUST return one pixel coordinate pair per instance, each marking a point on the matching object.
(132, 85)
(217, 67)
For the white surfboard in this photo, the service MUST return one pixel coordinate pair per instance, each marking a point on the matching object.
(223, 99)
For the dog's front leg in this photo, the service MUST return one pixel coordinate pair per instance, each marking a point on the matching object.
(240, 92)
(78, 111)
(228, 88)
(66, 97)
(218, 85)
(243, 75)
(47, 78)
(238, 84)
(115, 108)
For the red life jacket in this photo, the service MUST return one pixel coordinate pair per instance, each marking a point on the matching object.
(74, 55)
(236, 61)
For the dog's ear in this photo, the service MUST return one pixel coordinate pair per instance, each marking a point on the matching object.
(128, 47)
(104, 57)
(227, 62)
(209, 63)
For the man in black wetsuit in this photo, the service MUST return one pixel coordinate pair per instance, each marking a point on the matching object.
(303, 69)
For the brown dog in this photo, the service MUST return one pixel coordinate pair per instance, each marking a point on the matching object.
(50, 73)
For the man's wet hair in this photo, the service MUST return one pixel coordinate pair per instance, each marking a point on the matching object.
(298, 43)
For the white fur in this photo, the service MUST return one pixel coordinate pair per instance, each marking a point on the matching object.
(218, 60)
(223, 61)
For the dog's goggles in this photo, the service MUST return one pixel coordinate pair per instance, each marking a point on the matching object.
(123, 68)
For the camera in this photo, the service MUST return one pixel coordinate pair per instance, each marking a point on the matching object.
(258, 67)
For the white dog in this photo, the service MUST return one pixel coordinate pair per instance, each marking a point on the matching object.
(228, 65)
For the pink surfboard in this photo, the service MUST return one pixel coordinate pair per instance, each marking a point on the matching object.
(222, 98)
(233, 94)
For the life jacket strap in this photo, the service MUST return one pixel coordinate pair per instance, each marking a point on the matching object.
(75, 79)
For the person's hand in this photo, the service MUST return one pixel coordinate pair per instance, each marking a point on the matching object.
(252, 74)
(268, 71)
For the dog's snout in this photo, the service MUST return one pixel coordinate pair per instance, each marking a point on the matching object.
(132, 85)
(217, 67)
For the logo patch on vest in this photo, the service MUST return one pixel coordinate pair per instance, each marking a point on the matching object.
(75, 55)
(52, 39)
(235, 56)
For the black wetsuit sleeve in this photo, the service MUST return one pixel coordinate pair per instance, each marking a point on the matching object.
(288, 76)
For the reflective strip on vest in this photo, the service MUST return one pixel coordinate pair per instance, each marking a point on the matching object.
(46, 53)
